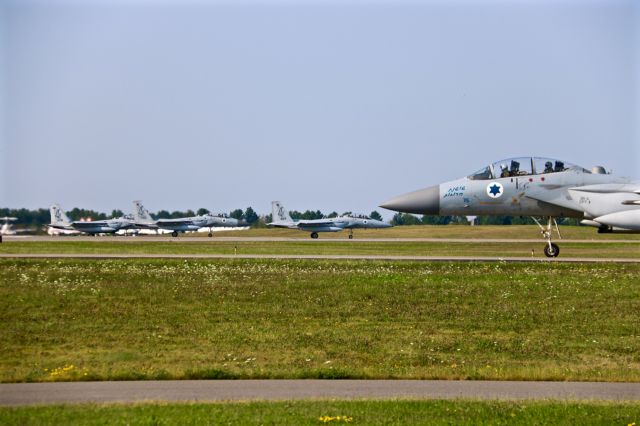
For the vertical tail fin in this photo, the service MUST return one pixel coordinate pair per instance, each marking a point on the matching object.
(279, 213)
(140, 214)
(58, 216)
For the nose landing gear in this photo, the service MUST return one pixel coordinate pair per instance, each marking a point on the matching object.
(314, 235)
(551, 249)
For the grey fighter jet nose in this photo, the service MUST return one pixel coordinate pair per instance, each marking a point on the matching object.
(422, 201)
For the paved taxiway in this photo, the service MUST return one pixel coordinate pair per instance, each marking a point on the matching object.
(244, 390)
(316, 257)
(166, 238)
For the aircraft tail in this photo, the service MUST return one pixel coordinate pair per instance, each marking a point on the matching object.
(140, 214)
(58, 216)
(279, 213)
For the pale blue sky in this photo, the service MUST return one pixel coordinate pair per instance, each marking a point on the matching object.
(334, 105)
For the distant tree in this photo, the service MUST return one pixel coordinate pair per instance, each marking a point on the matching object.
(295, 214)
(30, 218)
(162, 214)
(268, 218)
(494, 220)
(250, 216)
(77, 214)
(375, 215)
(332, 214)
(202, 211)
(237, 214)
(117, 213)
(400, 219)
(346, 214)
(568, 221)
(435, 220)
(311, 215)
(459, 220)
(177, 214)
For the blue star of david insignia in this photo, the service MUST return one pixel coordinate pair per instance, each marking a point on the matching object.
(494, 189)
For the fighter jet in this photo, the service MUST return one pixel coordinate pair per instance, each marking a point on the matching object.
(536, 187)
(6, 228)
(59, 220)
(142, 219)
(60, 223)
(282, 219)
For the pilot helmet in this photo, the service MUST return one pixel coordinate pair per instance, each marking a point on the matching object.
(547, 164)
(503, 166)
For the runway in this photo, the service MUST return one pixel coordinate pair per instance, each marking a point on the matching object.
(273, 390)
(182, 239)
(318, 257)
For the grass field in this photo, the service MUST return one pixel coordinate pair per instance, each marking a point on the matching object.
(146, 319)
(584, 243)
(332, 412)
(410, 248)
(432, 231)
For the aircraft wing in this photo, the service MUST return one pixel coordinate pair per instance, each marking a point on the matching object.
(54, 226)
(282, 225)
(174, 222)
(145, 225)
(22, 230)
(557, 195)
(609, 188)
(88, 224)
(314, 222)
(569, 196)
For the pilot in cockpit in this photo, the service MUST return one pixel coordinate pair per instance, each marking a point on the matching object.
(515, 168)
(559, 166)
(548, 167)
(504, 171)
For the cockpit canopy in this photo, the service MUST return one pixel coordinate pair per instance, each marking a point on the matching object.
(355, 215)
(220, 215)
(524, 166)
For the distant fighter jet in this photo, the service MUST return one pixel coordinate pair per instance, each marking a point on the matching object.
(142, 219)
(282, 219)
(59, 220)
(6, 228)
(60, 223)
(533, 187)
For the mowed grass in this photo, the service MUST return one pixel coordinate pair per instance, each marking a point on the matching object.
(431, 231)
(332, 412)
(322, 247)
(163, 319)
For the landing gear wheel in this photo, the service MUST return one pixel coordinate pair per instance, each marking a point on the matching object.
(174, 234)
(210, 234)
(351, 236)
(551, 250)
(314, 235)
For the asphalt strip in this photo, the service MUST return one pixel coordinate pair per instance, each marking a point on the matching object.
(318, 257)
(12, 394)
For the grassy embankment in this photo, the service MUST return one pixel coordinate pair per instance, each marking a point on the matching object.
(146, 319)
(332, 412)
